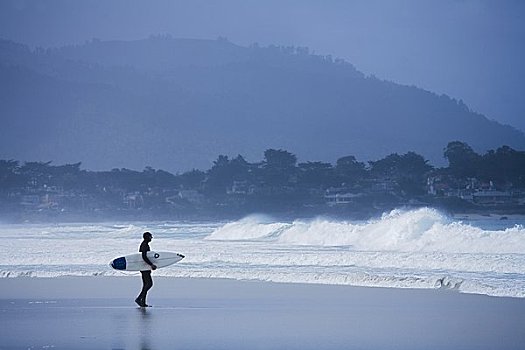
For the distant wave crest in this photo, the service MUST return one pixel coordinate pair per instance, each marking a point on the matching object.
(422, 229)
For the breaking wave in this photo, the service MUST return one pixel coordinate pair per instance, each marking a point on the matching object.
(421, 248)
(251, 227)
(421, 230)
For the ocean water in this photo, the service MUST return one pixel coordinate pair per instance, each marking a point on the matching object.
(420, 248)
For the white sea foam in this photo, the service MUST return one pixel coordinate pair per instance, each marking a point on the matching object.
(404, 249)
(254, 226)
(407, 231)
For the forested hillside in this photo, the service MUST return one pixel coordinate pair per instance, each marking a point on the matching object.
(177, 103)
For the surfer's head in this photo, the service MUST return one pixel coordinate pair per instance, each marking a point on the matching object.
(147, 236)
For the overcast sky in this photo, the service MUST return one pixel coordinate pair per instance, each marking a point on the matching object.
(472, 50)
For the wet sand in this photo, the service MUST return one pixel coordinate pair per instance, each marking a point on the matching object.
(99, 313)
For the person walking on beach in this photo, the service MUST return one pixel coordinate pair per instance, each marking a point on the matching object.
(147, 282)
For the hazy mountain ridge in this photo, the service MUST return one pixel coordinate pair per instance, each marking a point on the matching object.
(178, 103)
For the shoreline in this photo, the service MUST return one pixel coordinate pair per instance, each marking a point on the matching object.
(25, 286)
(98, 312)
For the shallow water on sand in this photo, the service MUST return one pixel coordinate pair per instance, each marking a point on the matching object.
(91, 313)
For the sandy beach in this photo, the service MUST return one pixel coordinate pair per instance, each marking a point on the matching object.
(99, 313)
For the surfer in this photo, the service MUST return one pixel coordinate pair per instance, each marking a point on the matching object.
(147, 282)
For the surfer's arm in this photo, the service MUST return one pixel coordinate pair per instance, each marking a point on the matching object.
(145, 258)
(144, 249)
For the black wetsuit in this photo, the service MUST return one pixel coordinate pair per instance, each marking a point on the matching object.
(147, 282)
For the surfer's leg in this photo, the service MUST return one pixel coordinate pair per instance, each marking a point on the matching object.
(147, 283)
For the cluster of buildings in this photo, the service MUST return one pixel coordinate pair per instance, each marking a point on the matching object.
(476, 192)
(472, 192)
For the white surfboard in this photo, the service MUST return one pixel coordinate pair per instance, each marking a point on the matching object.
(134, 262)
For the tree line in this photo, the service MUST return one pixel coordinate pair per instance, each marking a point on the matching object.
(277, 179)
(279, 168)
